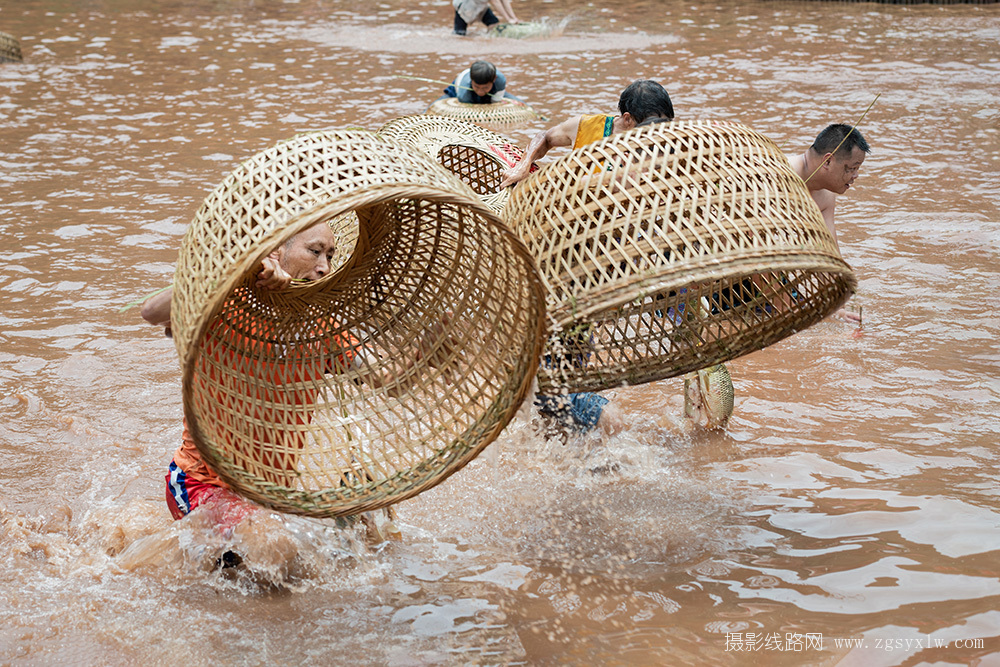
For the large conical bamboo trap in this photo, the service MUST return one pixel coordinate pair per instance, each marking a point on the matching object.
(504, 112)
(475, 154)
(378, 380)
(670, 248)
(10, 49)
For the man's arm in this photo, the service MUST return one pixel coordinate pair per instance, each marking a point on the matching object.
(506, 11)
(271, 276)
(563, 134)
(156, 309)
(463, 86)
(827, 202)
(500, 83)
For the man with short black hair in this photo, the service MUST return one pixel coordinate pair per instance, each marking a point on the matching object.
(829, 167)
(482, 83)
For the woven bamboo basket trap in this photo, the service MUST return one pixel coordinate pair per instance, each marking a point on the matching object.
(476, 155)
(10, 48)
(672, 247)
(378, 380)
(505, 112)
(524, 30)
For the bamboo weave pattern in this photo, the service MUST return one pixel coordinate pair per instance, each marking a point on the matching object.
(505, 112)
(670, 248)
(522, 30)
(278, 385)
(10, 49)
(475, 154)
(919, 2)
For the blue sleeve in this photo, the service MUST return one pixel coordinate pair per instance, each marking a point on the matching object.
(497, 91)
(464, 93)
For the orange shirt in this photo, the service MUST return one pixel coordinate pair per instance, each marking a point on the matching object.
(188, 458)
(240, 374)
(592, 128)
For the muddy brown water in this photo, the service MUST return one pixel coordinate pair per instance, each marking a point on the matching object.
(849, 514)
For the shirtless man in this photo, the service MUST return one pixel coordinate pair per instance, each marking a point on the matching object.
(829, 167)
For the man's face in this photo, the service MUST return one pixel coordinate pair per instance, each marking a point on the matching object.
(482, 89)
(307, 256)
(843, 170)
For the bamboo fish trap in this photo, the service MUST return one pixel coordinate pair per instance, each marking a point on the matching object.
(10, 49)
(670, 248)
(476, 155)
(505, 112)
(523, 30)
(344, 395)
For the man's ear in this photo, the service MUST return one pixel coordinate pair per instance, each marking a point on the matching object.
(628, 120)
(277, 253)
(828, 159)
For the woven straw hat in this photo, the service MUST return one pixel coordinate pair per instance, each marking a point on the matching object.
(10, 49)
(433, 297)
(505, 112)
(672, 247)
(475, 154)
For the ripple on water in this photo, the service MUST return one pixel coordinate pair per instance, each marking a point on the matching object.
(410, 39)
(950, 526)
(887, 584)
(117, 121)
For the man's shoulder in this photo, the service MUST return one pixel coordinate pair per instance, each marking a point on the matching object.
(825, 200)
(593, 120)
(797, 162)
(592, 127)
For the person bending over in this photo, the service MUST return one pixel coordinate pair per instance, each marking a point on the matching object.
(829, 168)
(470, 11)
(481, 83)
(641, 100)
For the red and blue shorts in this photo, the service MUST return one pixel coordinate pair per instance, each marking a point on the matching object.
(185, 493)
